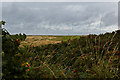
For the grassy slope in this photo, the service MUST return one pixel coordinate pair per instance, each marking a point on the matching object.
(45, 40)
(84, 57)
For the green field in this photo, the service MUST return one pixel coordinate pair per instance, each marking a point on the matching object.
(91, 56)
(45, 40)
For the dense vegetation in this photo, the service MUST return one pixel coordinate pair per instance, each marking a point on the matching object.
(11, 53)
(93, 56)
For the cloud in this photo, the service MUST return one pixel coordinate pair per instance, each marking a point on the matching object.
(59, 17)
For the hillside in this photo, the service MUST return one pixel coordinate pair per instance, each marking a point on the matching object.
(92, 56)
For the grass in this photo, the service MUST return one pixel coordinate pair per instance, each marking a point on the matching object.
(64, 38)
(92, 56)
(45, 40)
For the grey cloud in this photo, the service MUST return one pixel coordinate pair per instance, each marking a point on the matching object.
(58, 18)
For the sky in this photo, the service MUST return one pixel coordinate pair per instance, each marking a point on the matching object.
(60, 18)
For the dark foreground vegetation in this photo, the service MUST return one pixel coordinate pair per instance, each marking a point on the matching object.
(92, 56)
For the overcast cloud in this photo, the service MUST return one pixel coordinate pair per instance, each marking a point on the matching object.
(60, 18)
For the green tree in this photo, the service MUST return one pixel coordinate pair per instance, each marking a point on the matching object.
(24, 36)
(2, 23)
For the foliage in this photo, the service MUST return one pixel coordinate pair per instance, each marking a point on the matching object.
(92, 56)
(11, 54)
